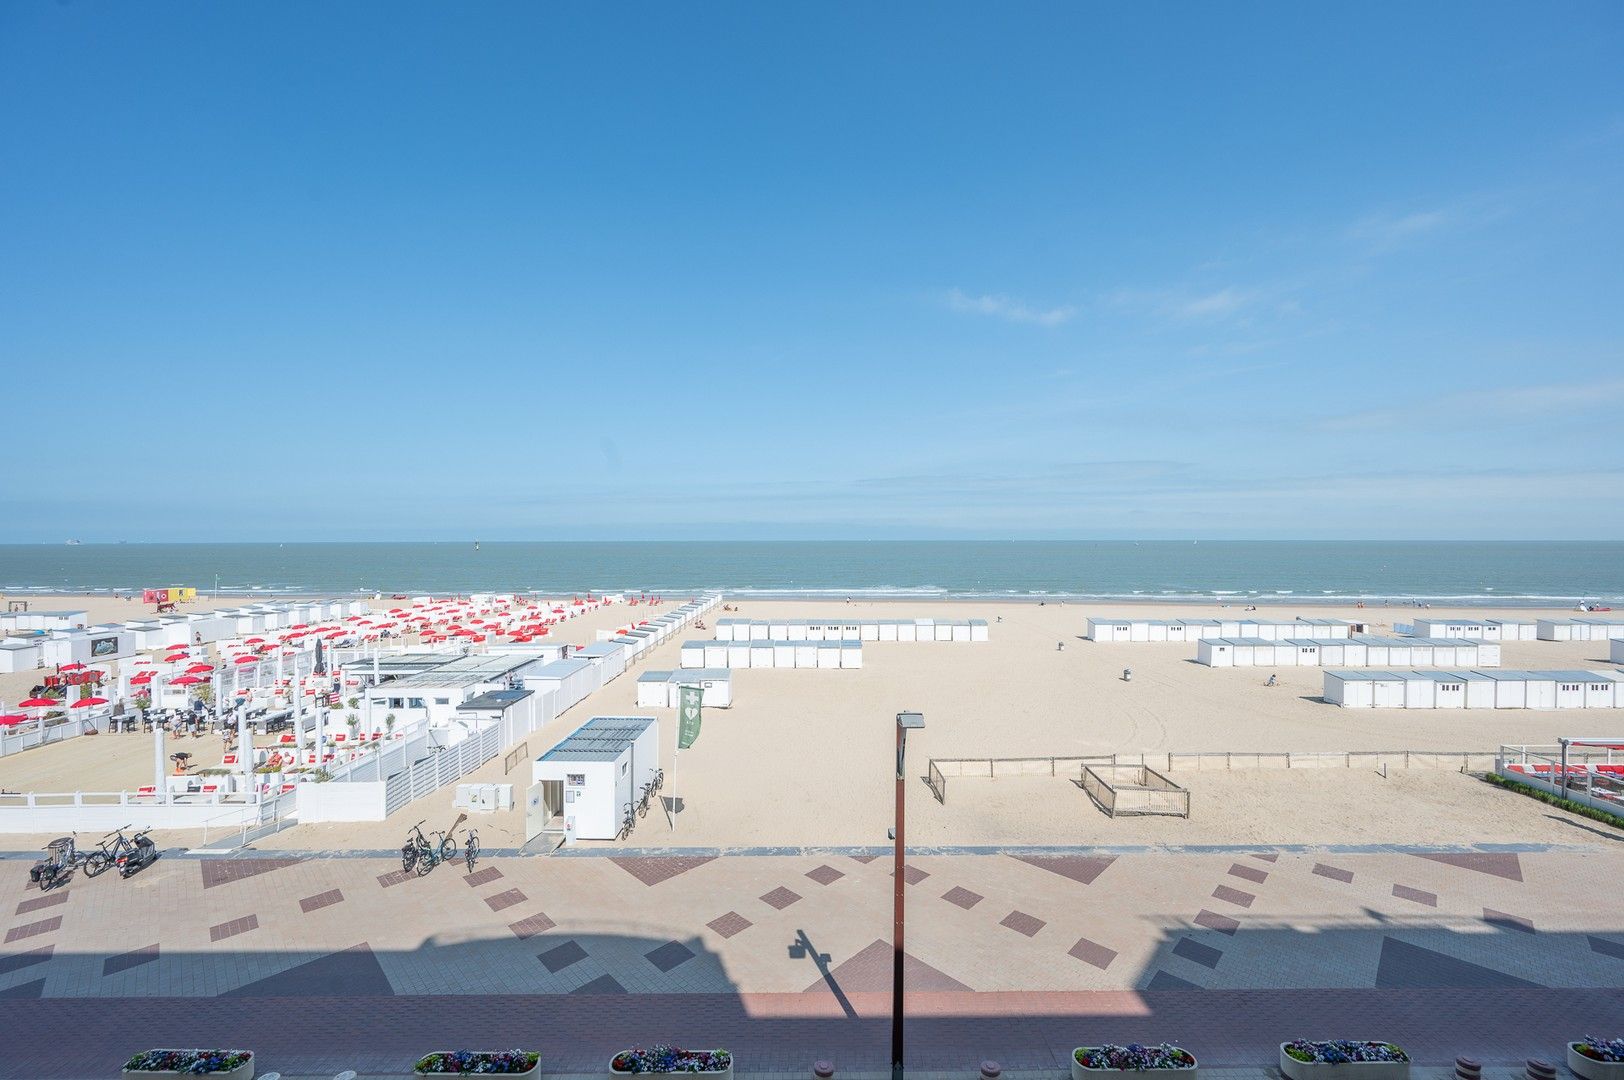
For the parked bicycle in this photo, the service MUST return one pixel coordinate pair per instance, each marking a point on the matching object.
(57, 866)
(417, 854)
(644, 798)
(108, 849)
(470, 850)
(628, 821)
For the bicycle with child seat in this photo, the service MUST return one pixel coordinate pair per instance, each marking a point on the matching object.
(417, 854)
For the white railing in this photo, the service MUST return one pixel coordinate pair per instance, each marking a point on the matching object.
(26, 736)
(88, 811)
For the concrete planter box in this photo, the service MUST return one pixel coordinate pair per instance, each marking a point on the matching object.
(1083, 1072)
(245, 1071)
(1590, 1068)
(532, 1072)
(727, 1072)
(1347, 1070)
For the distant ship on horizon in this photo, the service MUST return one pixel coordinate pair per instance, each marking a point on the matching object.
(73, 541)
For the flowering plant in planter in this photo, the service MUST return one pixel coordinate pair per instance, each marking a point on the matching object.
(196, 1062)
(1134, 1058)
(1610, 1050)
(477, 1062)
(1342, 1051)
(667, 1059)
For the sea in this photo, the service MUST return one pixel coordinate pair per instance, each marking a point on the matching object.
(1508, 573)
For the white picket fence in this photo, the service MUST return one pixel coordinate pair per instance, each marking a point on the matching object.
(439, 768)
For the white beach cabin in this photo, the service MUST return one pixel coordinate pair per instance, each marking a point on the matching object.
(598, 769)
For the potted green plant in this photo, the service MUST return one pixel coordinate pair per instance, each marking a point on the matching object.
(1597, 1059)
(1343, 1059)
(1090, 1060)
(222, 1064)
(481, 1062)
(669, 1060)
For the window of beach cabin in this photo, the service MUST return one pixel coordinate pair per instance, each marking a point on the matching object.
(414, 703)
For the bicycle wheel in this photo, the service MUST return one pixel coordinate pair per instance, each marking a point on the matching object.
(95, 863)
(408, 859)
(425, 863)
(470, 852)
(448, 849)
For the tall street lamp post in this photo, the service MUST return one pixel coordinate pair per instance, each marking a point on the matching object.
(906, 722)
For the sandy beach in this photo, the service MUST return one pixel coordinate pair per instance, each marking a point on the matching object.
(804, 757)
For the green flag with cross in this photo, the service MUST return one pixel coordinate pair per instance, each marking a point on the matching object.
(688, 716)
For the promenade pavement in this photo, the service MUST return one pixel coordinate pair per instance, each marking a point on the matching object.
(330, 962)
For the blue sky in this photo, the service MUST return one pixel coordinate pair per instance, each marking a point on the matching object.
(309, 271)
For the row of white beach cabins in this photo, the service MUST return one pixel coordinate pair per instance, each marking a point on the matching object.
(1119, 629)
(63, 637)
(851, 630)
(1474, 689)
(1358, 651)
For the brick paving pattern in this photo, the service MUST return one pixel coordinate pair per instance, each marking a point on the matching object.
(51, 899)
(1030, 955)
(321, 900)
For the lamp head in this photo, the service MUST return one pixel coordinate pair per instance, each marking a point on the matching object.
(910, 721)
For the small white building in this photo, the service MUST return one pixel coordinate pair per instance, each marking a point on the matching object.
(1510, 689)
(28, 621)
(598, 770)
(1562, 630)
(1420, 691)
(516, 713)
(19, 654)
(607, 656)
(715, 685)
(651, 690)
(572, 680)
(1478, 688)
(1448, 690)
(1349, 689)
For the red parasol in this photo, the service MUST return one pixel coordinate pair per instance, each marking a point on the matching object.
(39, 703)
(87, 702)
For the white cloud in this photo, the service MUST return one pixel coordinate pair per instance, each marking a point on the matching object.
(1507, 403)
(1384, 232)
(1008, 309)
(1218, 304)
